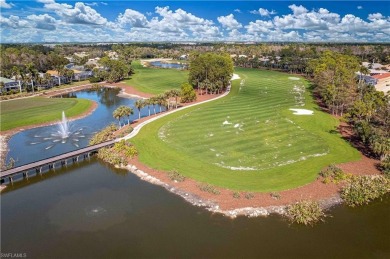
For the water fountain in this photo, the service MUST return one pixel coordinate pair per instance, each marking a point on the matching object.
(63, 127)
(64, 133)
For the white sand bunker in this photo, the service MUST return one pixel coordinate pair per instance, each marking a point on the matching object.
(235, 77)
(294, 78)
(226, 123)
(301, 112)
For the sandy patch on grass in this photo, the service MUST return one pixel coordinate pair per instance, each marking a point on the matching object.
(235, 76)
(294, 78)
(302, 112)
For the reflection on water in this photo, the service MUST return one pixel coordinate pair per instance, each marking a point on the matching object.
(92, 211)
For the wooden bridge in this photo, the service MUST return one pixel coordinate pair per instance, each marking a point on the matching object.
(51, 161)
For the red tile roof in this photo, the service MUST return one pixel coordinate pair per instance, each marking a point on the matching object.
(381, 76)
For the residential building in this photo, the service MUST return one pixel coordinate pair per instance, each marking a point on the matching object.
(9, 84)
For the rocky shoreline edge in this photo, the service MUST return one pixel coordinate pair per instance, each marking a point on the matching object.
(215, 208)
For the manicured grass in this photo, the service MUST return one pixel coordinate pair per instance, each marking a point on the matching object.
(156, 80)
(37, 110)
(274, 149)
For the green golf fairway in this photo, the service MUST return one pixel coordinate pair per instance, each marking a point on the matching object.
(37, 110)
(156, 80)
(249, 140)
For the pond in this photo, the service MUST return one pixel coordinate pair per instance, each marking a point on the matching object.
(168, 65)
(39, 143)
(92, 210)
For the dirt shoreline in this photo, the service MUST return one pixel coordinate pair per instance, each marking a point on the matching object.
(217, 204)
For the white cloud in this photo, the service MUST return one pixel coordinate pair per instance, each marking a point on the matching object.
(132, 17)
(259, 26)
(297, 10)
(237, 10)
(181, 16)
(313, 20)
(359, 7)
(4, 4)
(43, 21)
(77, 22)
(375, 16)
(263, 12)
(13, 21)
(229, 22)
(92, 4)
(79, 14)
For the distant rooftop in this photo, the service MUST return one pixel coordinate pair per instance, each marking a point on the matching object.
(6, 80)
(381, 76)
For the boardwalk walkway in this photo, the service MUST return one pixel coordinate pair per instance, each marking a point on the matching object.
(52, 160)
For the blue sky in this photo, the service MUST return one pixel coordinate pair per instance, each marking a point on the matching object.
(128, 21)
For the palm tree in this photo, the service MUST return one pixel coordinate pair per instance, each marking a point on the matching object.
(47, 77)
(381, 146)
(153, 101)
(147, 103)
(167, 95)
(17, 73)
(160, 100)
(139, 104)
(175, 93)
(127, 111)
(32, 74)
(69, 74)
(117, 114)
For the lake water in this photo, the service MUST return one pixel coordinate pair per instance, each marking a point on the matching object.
(92, 210)
(167, 65)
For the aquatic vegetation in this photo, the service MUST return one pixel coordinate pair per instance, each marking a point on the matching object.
(363, 189)
(305, 212)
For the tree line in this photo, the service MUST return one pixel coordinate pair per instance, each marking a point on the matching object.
(364, 108)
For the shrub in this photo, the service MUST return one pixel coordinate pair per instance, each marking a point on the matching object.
(249, 195)
(94, 80)
(385, 166)
(275, 195)
(305, 212)
(176, 176)
(126, 148)
(236, 195)
(104, 135)
(208, 188)
(108, 156)
(363, 189)
(188, 93)
(333, 174)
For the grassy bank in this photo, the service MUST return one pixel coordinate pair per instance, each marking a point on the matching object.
(156, 80)
(249, 140)
(38, 110)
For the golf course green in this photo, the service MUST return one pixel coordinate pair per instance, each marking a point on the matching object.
(156, 80)
(249, 140)
(38, 110)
